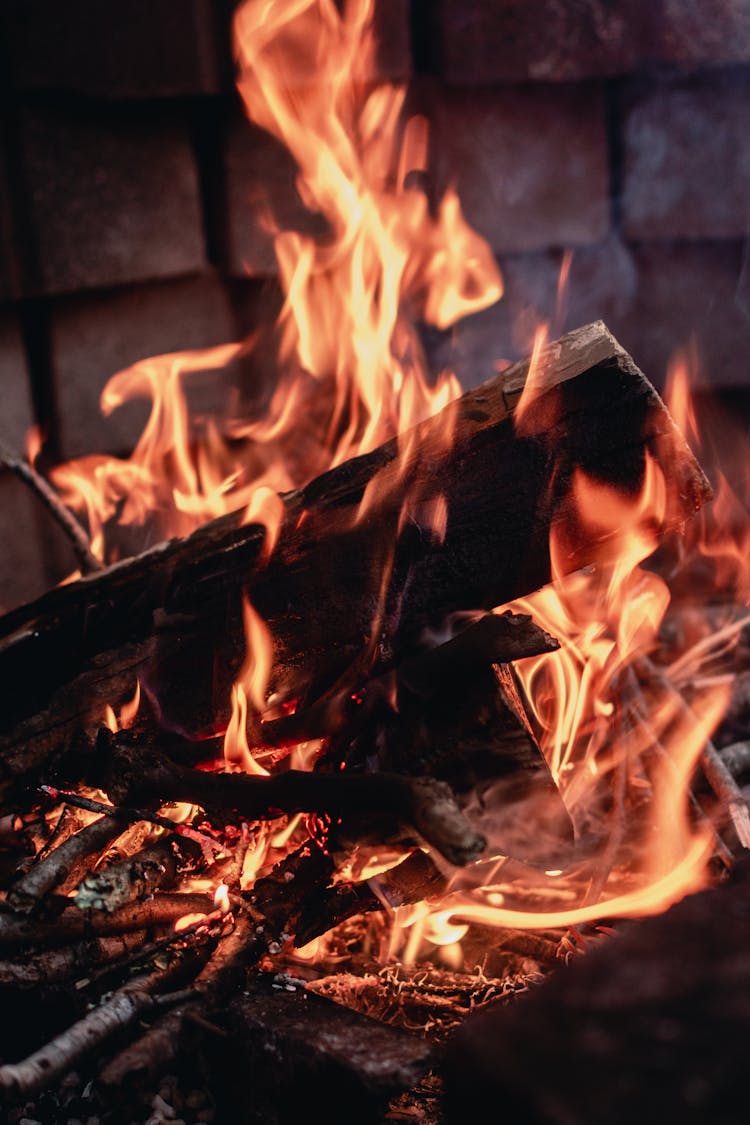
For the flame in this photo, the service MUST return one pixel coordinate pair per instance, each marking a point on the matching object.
(221, 898)
(351, 376)
(189, 920)
(127, 713)
(623, 761)
(343, 317)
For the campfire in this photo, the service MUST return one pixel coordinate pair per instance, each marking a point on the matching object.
(378, 691)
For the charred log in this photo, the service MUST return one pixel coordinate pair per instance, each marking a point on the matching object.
(346, 579)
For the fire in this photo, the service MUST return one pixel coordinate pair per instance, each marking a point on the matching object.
(351, 376)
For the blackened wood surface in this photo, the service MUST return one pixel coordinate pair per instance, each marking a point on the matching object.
(172, 616)
(291, 1056)
(650, 1027)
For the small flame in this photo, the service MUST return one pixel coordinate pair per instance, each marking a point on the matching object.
(221, 898)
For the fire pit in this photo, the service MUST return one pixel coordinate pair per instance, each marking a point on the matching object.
(373, 702)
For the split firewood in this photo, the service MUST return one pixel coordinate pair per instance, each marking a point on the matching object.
(346, 577)
(351, 1065)
(658, 1019)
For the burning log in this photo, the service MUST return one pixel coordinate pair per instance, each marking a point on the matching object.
(363, 564)
(378, 594)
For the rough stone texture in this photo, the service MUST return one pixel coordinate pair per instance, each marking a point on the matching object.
(32, 555)
(649, 1026)
(686, 158)
(601, 285)
(261, 197)
(691, 36)
(529, 164)
(113, 195)
(17, 413)
(568, 40)
(692, 294)
(8, 270)
(137, 48)
(550, 40)
(95, 336)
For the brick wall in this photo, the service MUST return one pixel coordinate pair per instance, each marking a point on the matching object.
(611, 133)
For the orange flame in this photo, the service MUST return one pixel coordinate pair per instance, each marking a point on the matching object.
(352, 376)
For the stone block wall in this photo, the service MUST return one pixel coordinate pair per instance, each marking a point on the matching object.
(608, 136)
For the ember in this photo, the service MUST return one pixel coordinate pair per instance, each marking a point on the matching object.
(385, 693)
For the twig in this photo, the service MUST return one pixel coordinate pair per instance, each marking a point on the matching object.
(262, 927)
(39, 1070)
(61, 964)
(144, 952)
(145, 1058)
(718, 776)
(427, 805)
(26, 472)
(64, 865)
(74, 924)
(132, 816)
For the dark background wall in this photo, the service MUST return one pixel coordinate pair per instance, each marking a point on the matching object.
(613, 132)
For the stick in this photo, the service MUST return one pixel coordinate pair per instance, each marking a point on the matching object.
(718, 776)
(122, 812)
(66, 864)
(44, 1067)
(425, 804)
(26, 472)
(61, 964)
(74, 924)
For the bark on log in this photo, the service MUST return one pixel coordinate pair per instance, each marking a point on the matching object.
(337, 586)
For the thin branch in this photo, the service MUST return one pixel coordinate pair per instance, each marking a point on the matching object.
(124, 1008)
(132, 816)
(718, 776)
(424, 804)
(67, 863)
(74, 924)
(57, 965)
(26, 472)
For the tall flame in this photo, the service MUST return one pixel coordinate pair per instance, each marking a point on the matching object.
(352, 375)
